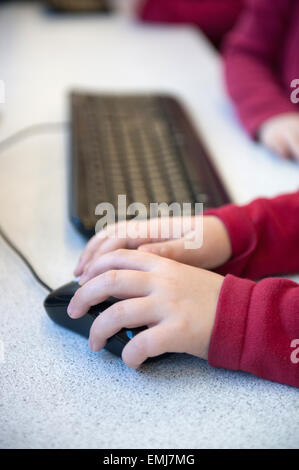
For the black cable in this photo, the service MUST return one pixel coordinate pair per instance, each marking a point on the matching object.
(14, 138)
(25, 260)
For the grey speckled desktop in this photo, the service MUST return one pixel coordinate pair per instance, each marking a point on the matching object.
(54, 392)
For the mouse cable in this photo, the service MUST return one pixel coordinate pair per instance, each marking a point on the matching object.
(35, 129)
(25, 260)
(30, 131)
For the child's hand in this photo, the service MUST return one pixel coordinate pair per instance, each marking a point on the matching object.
(215, 251)
(281, 134)
(177, 302)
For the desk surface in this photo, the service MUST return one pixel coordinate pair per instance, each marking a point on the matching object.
(54, 391)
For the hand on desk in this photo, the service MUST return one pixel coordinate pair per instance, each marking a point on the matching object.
(177, 302)
(281, 134)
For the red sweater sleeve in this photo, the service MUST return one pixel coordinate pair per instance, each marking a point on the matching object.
(250, 58)
(256, 329)
(264, 236)
(214, 17)
(257, 323)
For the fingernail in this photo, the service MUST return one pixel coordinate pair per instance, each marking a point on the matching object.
(82, 279)
(70, 311)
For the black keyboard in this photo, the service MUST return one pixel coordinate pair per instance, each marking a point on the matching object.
(70, 6)
(142, 146)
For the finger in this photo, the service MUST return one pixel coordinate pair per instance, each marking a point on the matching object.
(149, 343)
(293, 141)
(132, 234)
(111, 244)
(107, 245)
(166, 228)
(175, 250)
(96, 242)
(88, 251)
(119, 259)
(280, 146)
(130, 313)
(111, 238)
(119, 284)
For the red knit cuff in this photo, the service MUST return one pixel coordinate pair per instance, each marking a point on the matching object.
(228, 333)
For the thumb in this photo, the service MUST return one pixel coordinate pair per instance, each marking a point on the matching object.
(175, 250)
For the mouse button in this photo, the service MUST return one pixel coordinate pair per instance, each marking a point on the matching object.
(95, 310)
(69, 289)
(65, 292)
(52, 300)
(116, 343)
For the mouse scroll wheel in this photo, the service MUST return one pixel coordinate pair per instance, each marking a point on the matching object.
(131, 333)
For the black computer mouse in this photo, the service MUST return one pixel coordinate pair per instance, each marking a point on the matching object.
(56, 307)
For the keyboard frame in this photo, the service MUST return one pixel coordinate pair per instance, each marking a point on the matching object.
(197, 155)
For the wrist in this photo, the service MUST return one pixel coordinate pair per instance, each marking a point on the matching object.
(218, 282)
(217, 242)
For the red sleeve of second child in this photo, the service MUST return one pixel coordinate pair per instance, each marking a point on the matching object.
(214, 17)
(250, 56)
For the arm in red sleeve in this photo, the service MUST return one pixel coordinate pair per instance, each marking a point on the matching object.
(250, 59)
(256, 328)
(214, 17)
(264, 236)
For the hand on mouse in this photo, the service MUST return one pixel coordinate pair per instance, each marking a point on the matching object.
(281, 135)
(177, 302)
(215, 251)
